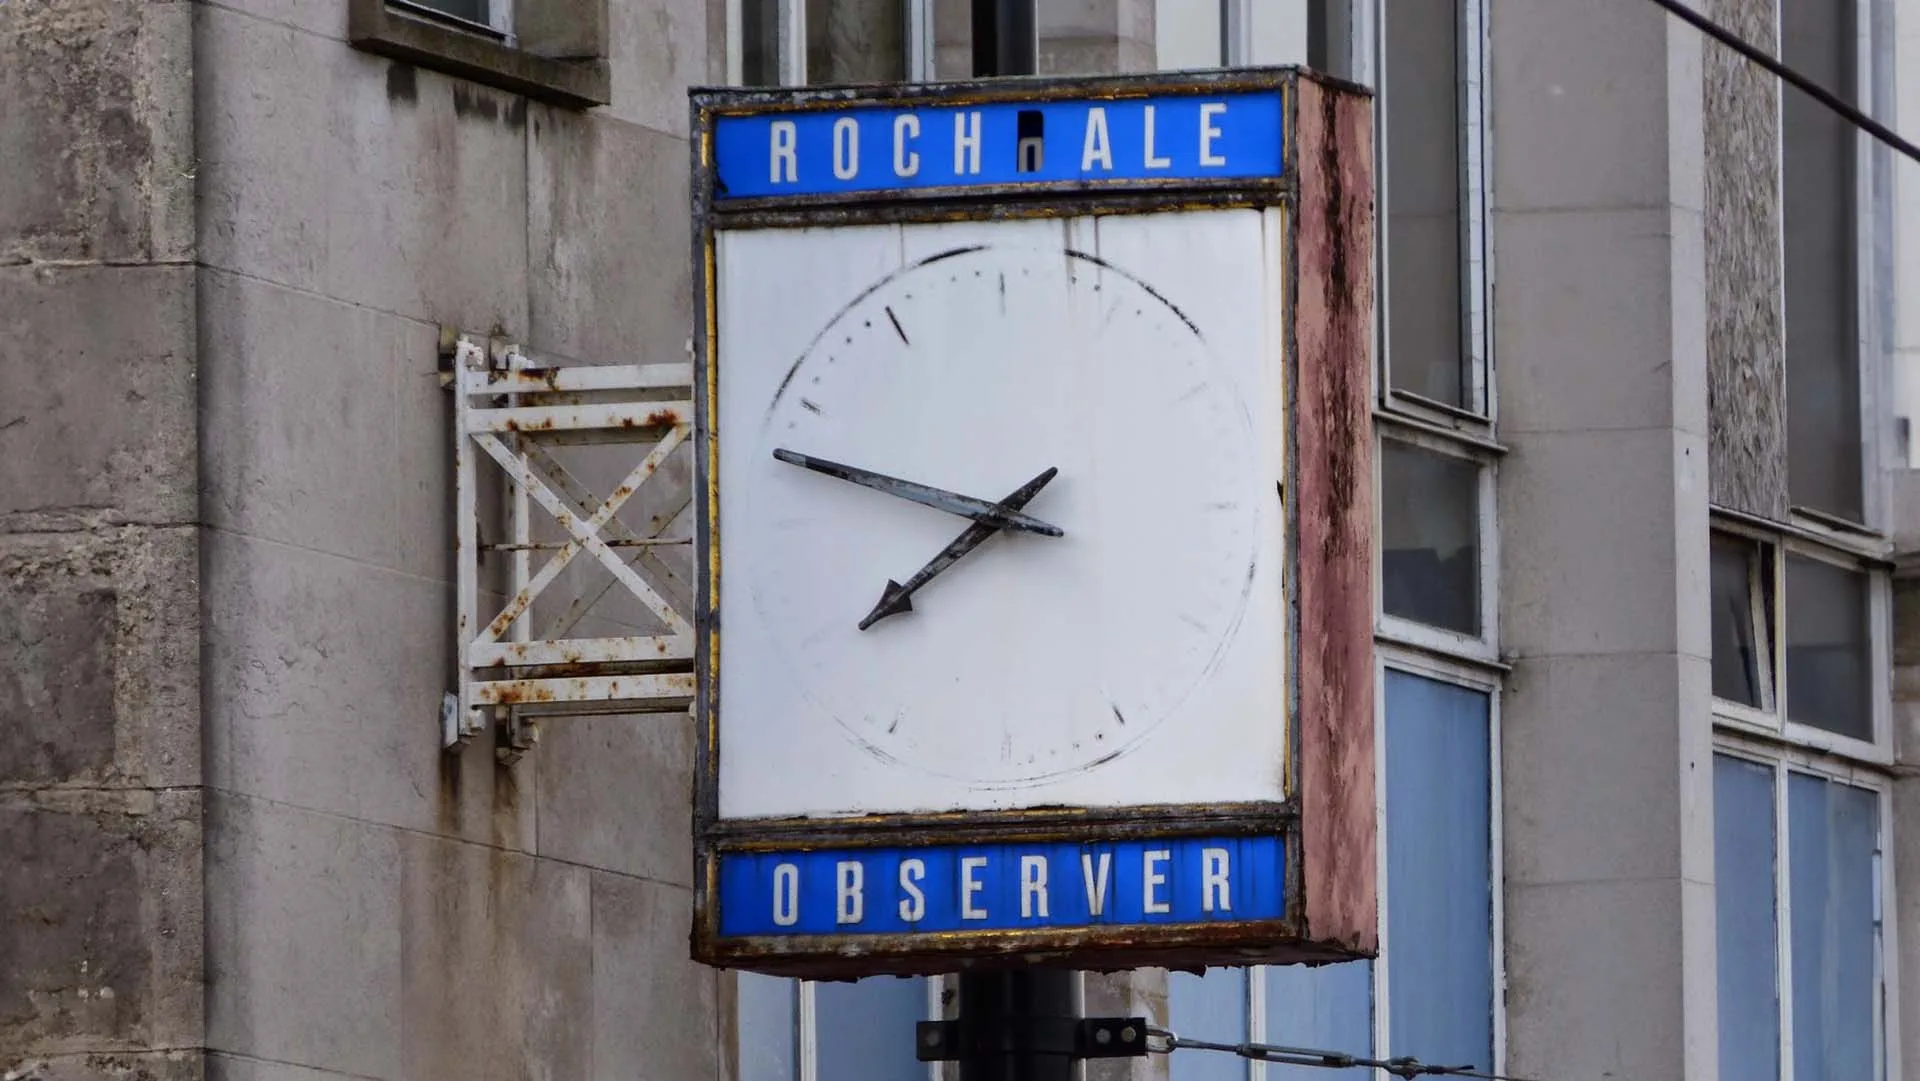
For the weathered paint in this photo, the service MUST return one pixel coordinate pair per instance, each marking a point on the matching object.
(1333, 504)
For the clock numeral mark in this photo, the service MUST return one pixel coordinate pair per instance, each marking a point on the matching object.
(811, 407)
(1191, 391)
(897, 329)
(1192, 622)
(1117, 715)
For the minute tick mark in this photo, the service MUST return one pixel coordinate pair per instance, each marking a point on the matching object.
(895, 320)
(811, 407)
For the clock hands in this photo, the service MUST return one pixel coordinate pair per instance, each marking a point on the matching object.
(898, 597)
(1003, 515)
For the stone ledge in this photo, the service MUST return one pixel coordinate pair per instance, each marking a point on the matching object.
(579, 84)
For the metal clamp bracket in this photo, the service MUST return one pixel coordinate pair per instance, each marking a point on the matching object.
(1069, 1037)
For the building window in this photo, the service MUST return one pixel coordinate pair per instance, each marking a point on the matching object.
(1430, 537)
(1799, 886)
(1797, 625)
(1821, 214)
(799, 1030)
(1436, 972)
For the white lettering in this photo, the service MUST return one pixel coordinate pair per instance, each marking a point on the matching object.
(1152, 880)
(966, 143)
(1098, 149)
(783, 137)
(849, 880)
(1033, 886)
(1209, 131)
(1214, 894)
(1152, 161)
(915, 905)
(786, 895)
(906, 127)
(970, 884)
(846, 148)
(1096, 895)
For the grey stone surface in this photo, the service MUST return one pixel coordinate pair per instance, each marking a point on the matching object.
(100, 923)
(1596, 69)
(496, 965)
(304, 937)
(1095, 37)
(659, 49)
(181, 1064)
(610, 240)
(109, 138)
(1572, 946)
(96, 395)
(665, 1023)
(1579, 578)
(99, 658)
(365, 179)
(305, 418)
(617, 793)
(328, 677)
(222, 1066)
(1746, 345)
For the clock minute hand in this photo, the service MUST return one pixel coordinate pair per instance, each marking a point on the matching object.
(898, 596)
(994, 514)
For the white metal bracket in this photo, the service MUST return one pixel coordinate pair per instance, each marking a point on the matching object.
(545, 427)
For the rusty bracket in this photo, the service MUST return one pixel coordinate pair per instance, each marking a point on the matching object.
(525, 414)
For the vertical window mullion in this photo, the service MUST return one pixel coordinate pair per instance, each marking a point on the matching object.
(1783, 919)
(806, 1032)
(918, 19)
(1476, 338)
(1256, 1017)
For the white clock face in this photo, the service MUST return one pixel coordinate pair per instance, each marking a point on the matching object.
(1006, 377)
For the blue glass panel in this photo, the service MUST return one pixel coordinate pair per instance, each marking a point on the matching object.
(766, 1027)
(1832, 834)
(1329, 1008)
(1746, 931)
(1439, 870)
(1208, 1007)
(865, 1029)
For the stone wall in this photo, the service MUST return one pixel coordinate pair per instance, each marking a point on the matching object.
(100, 805)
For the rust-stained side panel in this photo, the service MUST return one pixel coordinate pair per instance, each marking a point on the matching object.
(1333, 512)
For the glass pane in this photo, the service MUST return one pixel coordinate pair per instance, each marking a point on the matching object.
(1329, 1007)
(1187, 34)
(856, 41)
(1420, 97)
(1827, 657)
(1818, 170)
(1439, 869)
(864, 1030)
(760, 42)
(1430, 537)
(474, 11)
(1747, 936)
(1833, 833)
(1740, 633)
(1212, 1006)
(766, 1025)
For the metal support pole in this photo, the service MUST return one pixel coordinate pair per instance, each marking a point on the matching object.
(1019, 1006)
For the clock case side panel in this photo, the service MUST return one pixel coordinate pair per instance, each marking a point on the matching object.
(1332, 510)
(706, 447)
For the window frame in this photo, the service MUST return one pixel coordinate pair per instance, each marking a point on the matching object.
(1400, 630)
(1874, 214)
(492, 56)
(1773, 724)
(1474, 194)
(1782, 762)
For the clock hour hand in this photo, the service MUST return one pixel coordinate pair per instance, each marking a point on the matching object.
(996, 515)
(898, 596)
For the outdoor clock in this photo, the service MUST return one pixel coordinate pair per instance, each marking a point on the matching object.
(1034, 524)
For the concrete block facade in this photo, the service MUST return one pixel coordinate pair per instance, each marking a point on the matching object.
(228, 240)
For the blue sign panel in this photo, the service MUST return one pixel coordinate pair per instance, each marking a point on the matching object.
(1003, 887)
(1237, 135)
